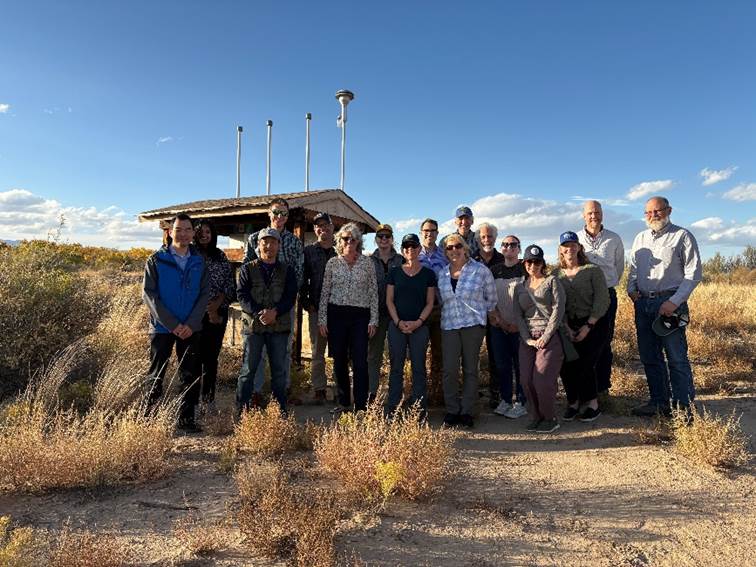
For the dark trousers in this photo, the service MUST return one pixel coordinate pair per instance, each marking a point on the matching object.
(493, 371)
(210, 346)
(276, 346)
(505, 348)
(348, 341)
(579, 376)
(417, 343)
(605, 359)
(161, 348)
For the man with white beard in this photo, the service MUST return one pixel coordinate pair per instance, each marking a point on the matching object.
(665, 268)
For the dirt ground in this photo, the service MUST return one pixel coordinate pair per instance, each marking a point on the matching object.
(590, 494)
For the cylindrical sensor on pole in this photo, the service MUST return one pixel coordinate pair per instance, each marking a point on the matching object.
(308, 119)
(239, 131)
(344, 97)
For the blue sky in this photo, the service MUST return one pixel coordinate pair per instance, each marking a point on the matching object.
(516, 108)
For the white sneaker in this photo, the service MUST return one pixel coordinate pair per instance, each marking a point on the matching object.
(503, 408)
(515, 411)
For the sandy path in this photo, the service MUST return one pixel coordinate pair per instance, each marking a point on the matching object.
(590, 495)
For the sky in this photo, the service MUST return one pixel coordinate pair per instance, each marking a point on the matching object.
(519, 109)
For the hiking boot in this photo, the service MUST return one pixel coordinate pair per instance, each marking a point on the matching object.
(548, 426)
(466, 420)
(451, 419)
(647, 410)
(319, 398)
(589, 414)
(533, 425)
(502, 408)
(570, 413)
(516, 411)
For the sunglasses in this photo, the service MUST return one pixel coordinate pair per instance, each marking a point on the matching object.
(383, 236)
(534, 261)
(279, 213)
(457, 246)
(510, 244)
(347, 239)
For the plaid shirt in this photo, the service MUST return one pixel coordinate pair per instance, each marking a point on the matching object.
(474, 297)
(290, 253)
(435, 260)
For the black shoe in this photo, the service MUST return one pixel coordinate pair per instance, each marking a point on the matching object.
(494, 401)
(466, 420)
(533, 425)
(451, 419)
(548, 426)
(570, 413)
(589, 414)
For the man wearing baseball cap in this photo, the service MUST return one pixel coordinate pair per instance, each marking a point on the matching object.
(267, 291)
(464, 219)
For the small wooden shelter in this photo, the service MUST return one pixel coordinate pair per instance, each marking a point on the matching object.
(239, 217)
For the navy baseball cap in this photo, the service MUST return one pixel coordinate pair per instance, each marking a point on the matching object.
(410, 241)
(568, 236)
(322, 217)
(463, 212)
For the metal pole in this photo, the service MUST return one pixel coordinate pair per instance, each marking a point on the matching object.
(267, 168)
(308, 118)
(343, 149)
(238, 161)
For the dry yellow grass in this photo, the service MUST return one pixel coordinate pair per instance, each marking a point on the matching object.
(201, 538)
(373, 456)
(710, 440)
(18, 546)
(44, 446)
(267, 433)
(87, 549)
(283, 520)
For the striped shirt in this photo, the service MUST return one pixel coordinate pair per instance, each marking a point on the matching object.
(474, 297)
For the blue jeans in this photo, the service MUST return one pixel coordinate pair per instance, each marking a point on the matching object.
(505, 348)
(417, 343)
(275, 345)
(260, 372)
(670, 380)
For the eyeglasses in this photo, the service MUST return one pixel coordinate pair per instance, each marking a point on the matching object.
(510, 244)
(347, 239)
(279, 213)
(456, 246)
(383, 236)
(655, 212)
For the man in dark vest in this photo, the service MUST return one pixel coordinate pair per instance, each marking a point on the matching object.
(267, 290)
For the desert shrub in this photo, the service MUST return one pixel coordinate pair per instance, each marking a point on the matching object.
(43, 308)
(87, 549)
(283, 520)
(218, 421)
(267, 433)
(710, 439)
(199, 537)
(18, 546)
(44, 446)
(375, 457)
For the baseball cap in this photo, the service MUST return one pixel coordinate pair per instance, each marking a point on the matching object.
(322, 217)
(463, 212)
(384, 228)
(665, 325)
(568, 236)
(533, 252)
(269, 233)
(410, 241)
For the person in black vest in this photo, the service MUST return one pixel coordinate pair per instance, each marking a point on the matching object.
(267, 290)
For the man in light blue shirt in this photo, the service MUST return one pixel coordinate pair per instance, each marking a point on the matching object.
(665, 268)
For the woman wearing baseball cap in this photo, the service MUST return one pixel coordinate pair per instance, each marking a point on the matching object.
(539, 308)
(587, 300)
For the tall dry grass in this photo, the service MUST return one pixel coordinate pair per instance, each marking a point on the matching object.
(709, 439)
(45, 446)
(375, 457)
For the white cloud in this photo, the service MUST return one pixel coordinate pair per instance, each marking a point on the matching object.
(708, 223)
(4, 108)
(742, 192)
(164, 140)
(24, 215)
(48, 111)
(649, 187)
(736, 234)
(408, 225)
(712, 176)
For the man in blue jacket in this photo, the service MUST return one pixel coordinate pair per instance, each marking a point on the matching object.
(176, 293)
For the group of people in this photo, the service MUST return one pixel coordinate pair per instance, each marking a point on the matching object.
(451, 296)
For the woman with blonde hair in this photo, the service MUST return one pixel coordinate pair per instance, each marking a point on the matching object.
(468, 299)
(348, 315)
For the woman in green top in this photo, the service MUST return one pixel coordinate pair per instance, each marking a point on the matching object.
(587, 303)
(410, 291)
